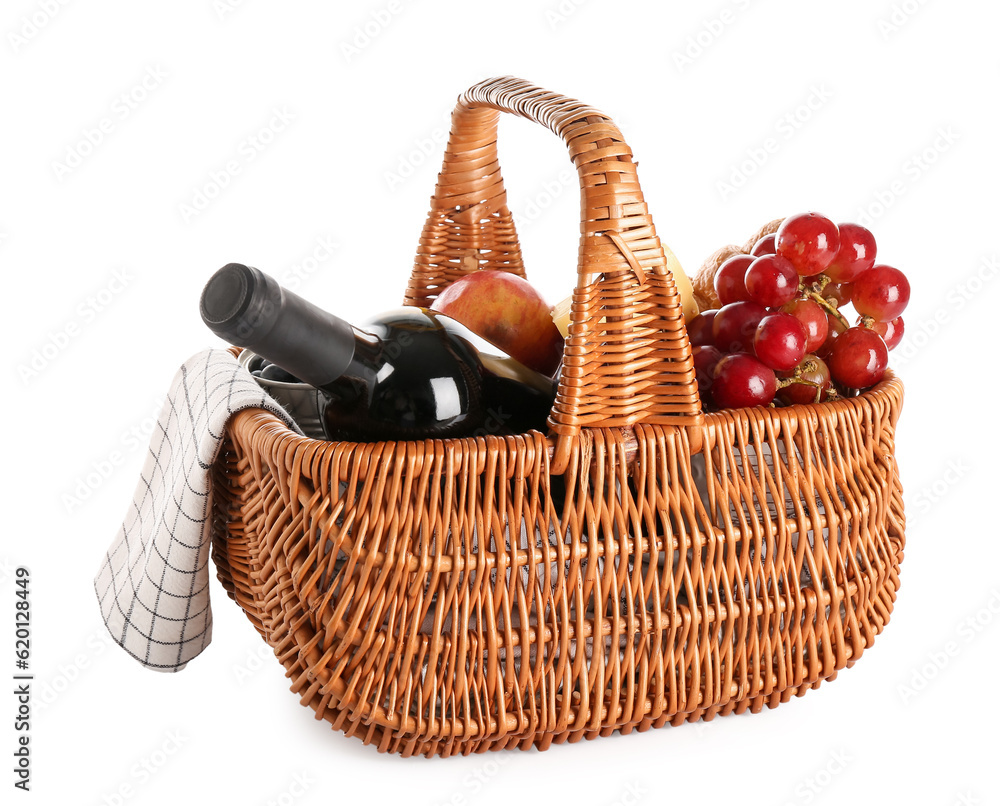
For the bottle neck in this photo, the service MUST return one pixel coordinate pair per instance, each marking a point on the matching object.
(250, 309)
(367, 358)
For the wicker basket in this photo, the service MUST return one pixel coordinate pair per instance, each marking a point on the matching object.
(643, 564)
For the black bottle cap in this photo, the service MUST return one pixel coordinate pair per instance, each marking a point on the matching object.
(241, 304)
(248, 308)
(226, 295)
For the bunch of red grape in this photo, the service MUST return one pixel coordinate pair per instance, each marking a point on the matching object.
(780, 334)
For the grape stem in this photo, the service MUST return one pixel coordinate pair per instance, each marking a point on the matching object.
(783, 382)
(815, 293)
(806, 366)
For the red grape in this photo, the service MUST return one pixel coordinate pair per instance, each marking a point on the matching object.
(818, 373)
(834, 329)
(742, 380)
(729, 286)
(840, 292)
(859, 358)
(810, 241)
(705, 361)
(891, 331)
(856, 254)
(700, 328)
(735, 325)
(780, 341)
(765, 246)
(882, 293)
(813, 320)
(771, 281)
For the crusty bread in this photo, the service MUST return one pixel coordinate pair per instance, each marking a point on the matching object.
(704, 280)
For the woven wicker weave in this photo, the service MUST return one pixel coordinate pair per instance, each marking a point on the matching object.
(454, 596)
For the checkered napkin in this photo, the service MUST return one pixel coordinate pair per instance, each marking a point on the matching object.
(153, 583)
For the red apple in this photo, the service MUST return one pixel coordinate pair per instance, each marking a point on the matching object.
(507, 311)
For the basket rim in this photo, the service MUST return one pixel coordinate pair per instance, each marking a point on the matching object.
(890, 385)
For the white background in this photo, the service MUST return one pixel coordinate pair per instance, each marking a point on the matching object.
(903, 129)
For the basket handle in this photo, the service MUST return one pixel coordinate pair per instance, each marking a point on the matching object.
(627, 358)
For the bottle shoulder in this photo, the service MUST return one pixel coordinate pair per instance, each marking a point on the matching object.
(424, 329)
(414, 318)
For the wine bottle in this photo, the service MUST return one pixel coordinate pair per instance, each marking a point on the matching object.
(411, 373)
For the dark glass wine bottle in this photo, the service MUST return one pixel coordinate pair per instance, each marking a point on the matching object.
(411, 373)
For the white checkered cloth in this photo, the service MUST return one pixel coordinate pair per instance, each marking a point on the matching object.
(153, 583)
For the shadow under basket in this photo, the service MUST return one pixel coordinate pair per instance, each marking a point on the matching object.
(643, 563)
